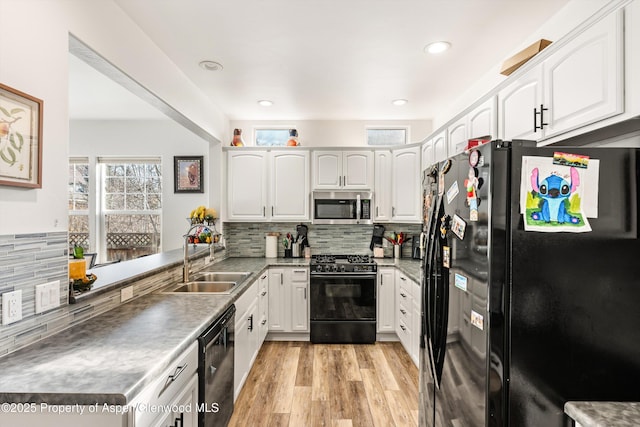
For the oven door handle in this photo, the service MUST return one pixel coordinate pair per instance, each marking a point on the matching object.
(343, 275)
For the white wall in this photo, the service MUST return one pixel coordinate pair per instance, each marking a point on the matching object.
(569, 17)
(163, 138)
(333, 133)
(33, 59)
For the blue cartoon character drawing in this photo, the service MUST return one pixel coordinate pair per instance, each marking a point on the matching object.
(554, 192)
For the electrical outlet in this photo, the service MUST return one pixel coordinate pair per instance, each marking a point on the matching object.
(11, 307)
(126, 293)
(47, 296)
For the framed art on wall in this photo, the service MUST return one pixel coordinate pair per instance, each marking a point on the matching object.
(187, 171)
(20, 139)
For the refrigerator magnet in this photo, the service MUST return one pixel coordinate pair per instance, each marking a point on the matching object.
(452, 192)
(445, 224)
(458, 226)
(566, 159)
(474, 158)
(446, 257)
(460, 282)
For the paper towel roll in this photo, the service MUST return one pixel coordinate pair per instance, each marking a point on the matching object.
(271, 247)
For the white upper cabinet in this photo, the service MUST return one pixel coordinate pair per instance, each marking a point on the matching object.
(440, 147)
(583, 80)
(289, 196)
(579, 84)
(347, 170)
(246, 185)
(457, 136)
(516, 104)
(483, 120)
(428, 158)
(262, 186)
(406, 185)
(479, 122)
(383, 185)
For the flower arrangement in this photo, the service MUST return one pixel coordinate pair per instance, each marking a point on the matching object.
(397, 238)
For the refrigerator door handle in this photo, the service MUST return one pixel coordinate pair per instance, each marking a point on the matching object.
(442, 313)
(430, 292)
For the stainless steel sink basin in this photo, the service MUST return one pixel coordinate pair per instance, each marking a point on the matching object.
(219, 276)
(206, 287)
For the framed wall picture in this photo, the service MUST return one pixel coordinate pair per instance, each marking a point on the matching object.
(20, 139)
(187, 171)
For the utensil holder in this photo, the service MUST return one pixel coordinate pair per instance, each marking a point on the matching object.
(397, 251)
(288, 253)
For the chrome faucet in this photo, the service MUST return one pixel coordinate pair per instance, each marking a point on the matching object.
(185, 272)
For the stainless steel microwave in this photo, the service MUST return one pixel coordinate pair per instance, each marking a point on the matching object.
(342, 207)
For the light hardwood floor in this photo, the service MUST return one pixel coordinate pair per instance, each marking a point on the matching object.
(303, 384)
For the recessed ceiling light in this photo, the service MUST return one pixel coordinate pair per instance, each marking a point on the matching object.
(265, 103)
(210, 65)
(437, 47)
(399, 102)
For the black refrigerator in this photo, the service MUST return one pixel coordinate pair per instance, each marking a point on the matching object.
(530, 284)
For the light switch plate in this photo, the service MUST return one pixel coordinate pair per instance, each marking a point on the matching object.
(11, 307)
(47, 296)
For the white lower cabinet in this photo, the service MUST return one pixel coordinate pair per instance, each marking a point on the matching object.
(263, 305)
(408, 315)
(385, 318)
(172, 396)
(247, 336)
(288, 299)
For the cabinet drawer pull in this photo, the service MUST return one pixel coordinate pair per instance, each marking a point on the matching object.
(171, 378)
(403, 295)
(403, 328)
(264, 293)
(299, 271)
(403, 278)
(264, 321)
(263, 277)
(250, 327)
(403, 311)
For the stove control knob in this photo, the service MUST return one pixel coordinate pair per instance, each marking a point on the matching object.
(318, 268)
(342, 268)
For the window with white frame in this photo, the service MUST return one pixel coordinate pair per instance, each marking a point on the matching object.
(270, 137)
(78, 196)
(130, 208)
(387, 135)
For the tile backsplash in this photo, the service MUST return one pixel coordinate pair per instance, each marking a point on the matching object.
(27, 260)
(247, 239)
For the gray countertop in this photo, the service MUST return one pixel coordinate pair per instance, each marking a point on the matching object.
(604, 414)
(110, 358)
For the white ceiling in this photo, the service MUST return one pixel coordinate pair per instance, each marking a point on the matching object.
(327, 59)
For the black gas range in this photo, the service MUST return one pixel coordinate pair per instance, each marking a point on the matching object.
(343, 299)
(342, 264)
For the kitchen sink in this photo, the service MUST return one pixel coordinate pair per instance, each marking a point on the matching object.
(219, 276)
(206, 287)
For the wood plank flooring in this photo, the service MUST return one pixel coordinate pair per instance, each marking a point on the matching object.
(339, 385)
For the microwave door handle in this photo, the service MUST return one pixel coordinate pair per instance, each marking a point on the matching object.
(358, 209)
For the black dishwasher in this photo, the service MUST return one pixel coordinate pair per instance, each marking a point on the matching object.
(215, 371)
